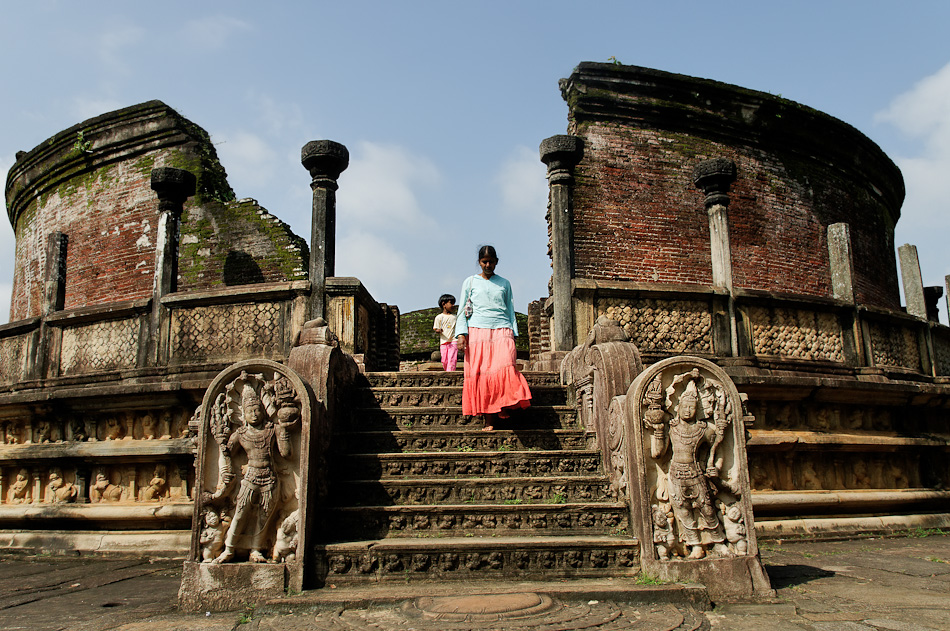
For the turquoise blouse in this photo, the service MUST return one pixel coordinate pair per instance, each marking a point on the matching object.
(492, 305)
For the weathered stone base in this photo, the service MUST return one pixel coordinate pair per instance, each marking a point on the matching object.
(167, 543)
(229, 586)
(740, 577)
(849, 527)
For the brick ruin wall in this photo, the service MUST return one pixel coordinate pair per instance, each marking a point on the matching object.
(639, 217)
(92, 183)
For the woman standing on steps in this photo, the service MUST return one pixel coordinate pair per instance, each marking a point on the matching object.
(486, 330)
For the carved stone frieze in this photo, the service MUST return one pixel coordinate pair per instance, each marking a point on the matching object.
(105, 345)
(564, 561)
(894, 346)
(238, 330)
(454, 441)
(670, 326)
(12, 357)
(796, 334)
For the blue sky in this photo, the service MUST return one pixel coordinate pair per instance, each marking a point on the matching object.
(443, 104)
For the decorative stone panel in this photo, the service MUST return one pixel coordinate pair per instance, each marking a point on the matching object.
(941, 338)
(796, 333)
(107, 345)
(894, 345)
(12, 356)
(673, 326)
(241, 330)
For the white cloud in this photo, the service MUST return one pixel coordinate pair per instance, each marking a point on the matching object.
(113, 44)
(278, 117)
(922, 114)
(381, 187)
(248, 159)
(213, 32)
(373, 260)
(524, 188)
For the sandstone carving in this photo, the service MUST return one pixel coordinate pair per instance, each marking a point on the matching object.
(157, 488)
(285, 548)
(253, 421)
(103, 490)
(21, 491)
(211, 537)
(58, 491)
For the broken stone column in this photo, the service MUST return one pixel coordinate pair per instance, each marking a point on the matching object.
(841, 263)
(714, 177)
(913, 283)
(325, 160)
(932, 296)
(561, 154)
(173, 187)
(54, 300)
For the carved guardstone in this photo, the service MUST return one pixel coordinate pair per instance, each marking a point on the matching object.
(690, 495)
(254, 420)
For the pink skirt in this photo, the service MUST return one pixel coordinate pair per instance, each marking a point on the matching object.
(492, 381)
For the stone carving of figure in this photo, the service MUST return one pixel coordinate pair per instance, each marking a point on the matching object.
(102, 490)
(861, 478)
(58, 490)
(114, 428)
(11, 434)
(79, 430)
(285, 548)
(261, 440)
(20, 491)
(735, 528)
(211, 538)
(689, 482)
(157, 486)
(149, 429)
(663, 537)
(43, 433)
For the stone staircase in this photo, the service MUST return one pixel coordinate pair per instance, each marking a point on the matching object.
(420, 492)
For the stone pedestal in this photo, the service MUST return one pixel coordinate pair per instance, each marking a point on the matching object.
(229, 587)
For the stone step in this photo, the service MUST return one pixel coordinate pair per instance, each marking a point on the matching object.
(428, 379)
(411, 418)
(444, 490)
(458, 520)
(440, 396)
(462, 441)
(479, 558)
(465, 464)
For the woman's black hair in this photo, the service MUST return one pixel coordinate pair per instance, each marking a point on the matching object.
(444, 298)
(487, 251)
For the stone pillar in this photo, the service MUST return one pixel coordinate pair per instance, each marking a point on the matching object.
(54, 300)
(173, 187)
(325, 160)
(913, 283)
(841, 262)
(714, 178)
(946, 282)
(561, 154)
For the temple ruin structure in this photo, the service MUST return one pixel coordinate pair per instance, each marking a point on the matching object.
(723, 356)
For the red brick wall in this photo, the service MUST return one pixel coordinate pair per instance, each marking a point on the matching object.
(639, 217)
(111, 223)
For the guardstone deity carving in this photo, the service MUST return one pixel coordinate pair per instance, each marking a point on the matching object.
(250, 467)
(690, 423)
